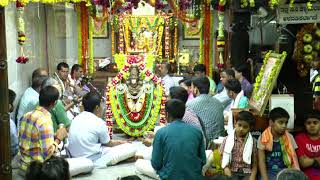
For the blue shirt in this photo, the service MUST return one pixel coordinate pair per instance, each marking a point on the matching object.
(28, 102)
(178, 152)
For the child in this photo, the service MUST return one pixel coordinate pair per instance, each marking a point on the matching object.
(276, 146)
(239, 151)
(309, 146)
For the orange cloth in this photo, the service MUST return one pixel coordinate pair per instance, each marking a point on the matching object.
(267, 141)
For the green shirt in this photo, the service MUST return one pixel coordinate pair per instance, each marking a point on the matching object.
(59, 116)
(178, 152)
(243, 103)
(212, 85)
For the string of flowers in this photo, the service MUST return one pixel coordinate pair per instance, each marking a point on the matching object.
(121, 36)
(91, 63)
(167, 38)
(6, 2)
(220, 38)
(21, 32)
(79, 25)
(181, 14)
(176, 38)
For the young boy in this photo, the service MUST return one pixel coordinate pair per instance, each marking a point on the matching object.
(276, 146)
(309, 146)
(239, 159)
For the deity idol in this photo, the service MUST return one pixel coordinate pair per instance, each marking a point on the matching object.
(135, 98)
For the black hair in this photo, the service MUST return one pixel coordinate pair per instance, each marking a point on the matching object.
(37, 72)
(37, 81)
(202, 83)
(241, 68)
(55, 168)
(291, 174)
(247, 117)
(313, 114)
(175, 108)
(277, 113)
(134, 177)
(48, 95)
(200, 68)
(75, 67)
(168, 66)
(178, 92)
(12, 96)
(187, 81)
(233, 85)
(90, 101)
(62, 65)
(229, 72)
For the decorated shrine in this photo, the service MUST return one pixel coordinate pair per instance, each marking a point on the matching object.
(135, 97)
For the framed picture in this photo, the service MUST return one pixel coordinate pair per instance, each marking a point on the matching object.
(100, 29)
(62, 29)
(191, 31)
(266, 80)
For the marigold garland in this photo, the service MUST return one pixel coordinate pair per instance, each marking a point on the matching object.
(22, 59)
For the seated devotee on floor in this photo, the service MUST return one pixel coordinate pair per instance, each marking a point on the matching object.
(291, 174)
(58, 113)
(88, 133)
(30, 97)
(239, 101)
(54, 168)
(308, 143)
(37, 140)
(76, 78)
(239, 149)
(246, 86)
(13, 127)
(186, 84)
(167, 80)
(172, 157)
(208, 109)
(223, 97)
(200, 71)
(276, 146)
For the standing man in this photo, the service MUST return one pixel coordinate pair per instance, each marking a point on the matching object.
(36, 136)
(166, 79)
(178, 150)
(208, 109)
(200, 71)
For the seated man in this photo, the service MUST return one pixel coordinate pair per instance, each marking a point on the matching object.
(88, 133)
(223, 97)
(36, 135)
(178, 149)
(200, 71)
(30, 97)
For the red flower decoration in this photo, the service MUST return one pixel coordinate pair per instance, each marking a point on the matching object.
(22, 59)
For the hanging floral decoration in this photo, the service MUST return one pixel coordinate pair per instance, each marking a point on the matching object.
(307, 48)
(182, 14)
(221, 39)
(167, 38)
(135, 117)
(207, 35)
(21, 32)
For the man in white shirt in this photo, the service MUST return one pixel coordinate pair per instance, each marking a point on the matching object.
(166, 79)
(30, 97)
(88, 133)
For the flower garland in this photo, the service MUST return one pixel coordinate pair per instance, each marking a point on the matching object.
(181, 15)
(258, 91)
(220, 39)
(121, 36)
(176, 38)
(167, 38)
(6, 2)
(115, 105)
(245, 3)
(91, 63)
(21, 32)
(307, 48)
